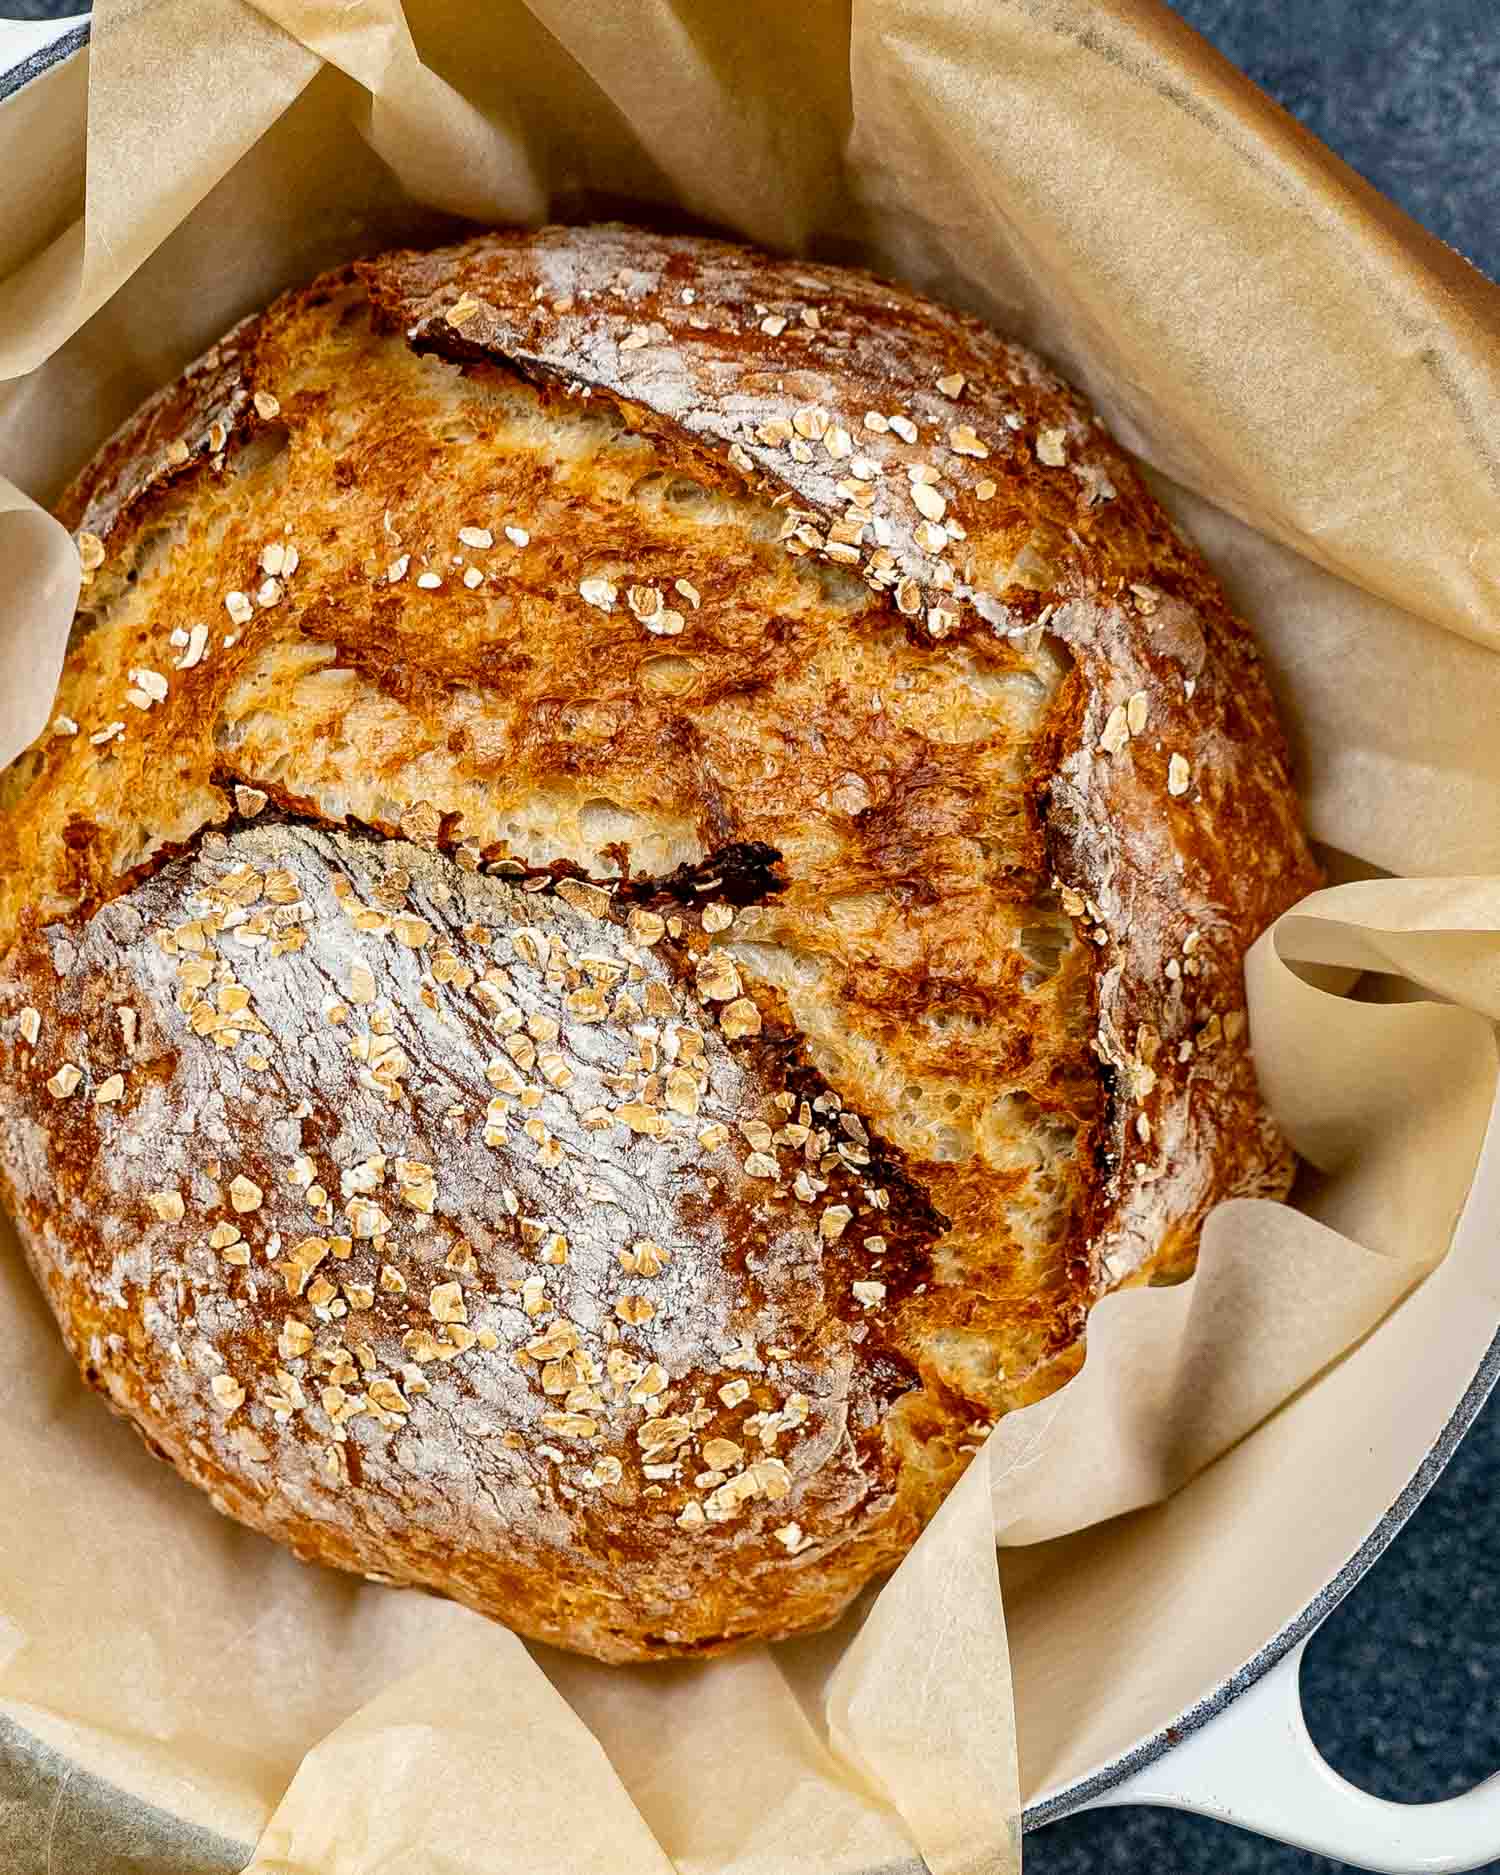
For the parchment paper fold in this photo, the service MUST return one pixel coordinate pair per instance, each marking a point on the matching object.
(1315, 386)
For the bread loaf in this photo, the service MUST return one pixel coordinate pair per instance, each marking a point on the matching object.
(634, 903)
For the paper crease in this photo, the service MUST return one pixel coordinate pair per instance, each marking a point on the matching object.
(1317, 387)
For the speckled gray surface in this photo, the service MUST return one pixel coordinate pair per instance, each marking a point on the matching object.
(1402, 1684)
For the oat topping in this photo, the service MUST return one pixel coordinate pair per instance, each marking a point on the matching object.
(718, 980)
(195, 644)
(447, 1303)
(927, 501)
(598, 592)
(227, 1392)
(1116, 731)
(244, 1194)
(146, 687)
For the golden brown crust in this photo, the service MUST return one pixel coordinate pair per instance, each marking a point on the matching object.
(809, 585)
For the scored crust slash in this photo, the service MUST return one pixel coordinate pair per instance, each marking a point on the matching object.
(635, 901)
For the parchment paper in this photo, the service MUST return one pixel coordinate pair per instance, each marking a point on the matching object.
(1315, 386)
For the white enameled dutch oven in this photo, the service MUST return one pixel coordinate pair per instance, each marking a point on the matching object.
(1216, 1722)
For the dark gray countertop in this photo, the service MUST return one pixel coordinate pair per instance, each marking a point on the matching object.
(1402, 1684)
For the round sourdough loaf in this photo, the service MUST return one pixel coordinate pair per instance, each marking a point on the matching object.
(635, 901)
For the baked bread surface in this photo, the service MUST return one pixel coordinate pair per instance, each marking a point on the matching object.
(636, 900)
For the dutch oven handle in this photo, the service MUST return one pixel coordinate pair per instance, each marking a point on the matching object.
(21, 41)
(1255, 1764)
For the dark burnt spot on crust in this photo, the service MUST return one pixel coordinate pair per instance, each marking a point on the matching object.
(912, 1218)
(888, 1376)
(742, 873)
